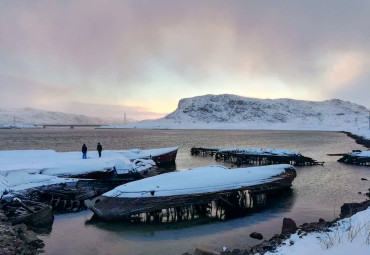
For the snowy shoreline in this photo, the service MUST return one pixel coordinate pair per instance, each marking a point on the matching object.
(346, 235)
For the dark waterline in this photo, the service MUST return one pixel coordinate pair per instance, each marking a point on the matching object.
(318, 191)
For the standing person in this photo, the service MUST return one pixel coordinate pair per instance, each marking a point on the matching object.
(84, 151)
(99, 148)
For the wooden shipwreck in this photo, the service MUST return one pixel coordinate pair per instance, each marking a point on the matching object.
(256, 156)
(356, 157)
(184, 192)
(31, 213)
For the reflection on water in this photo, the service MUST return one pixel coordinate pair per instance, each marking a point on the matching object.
(317, 192)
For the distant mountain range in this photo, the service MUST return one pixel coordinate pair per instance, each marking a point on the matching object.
(236, 112)
(30, 116)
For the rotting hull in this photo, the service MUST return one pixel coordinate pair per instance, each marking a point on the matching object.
(167, 158)
(41, 217)
(122, 208)
(163, 159)
(96, 175)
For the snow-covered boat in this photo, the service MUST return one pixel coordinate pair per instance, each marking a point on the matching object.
(70, 164)
(356, 157)
(162, 156)
(193, 187)
(255, 156)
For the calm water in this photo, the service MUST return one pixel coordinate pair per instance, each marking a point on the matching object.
(318, 191)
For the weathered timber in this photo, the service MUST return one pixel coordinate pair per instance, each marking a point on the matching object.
(203, 151)
(31, 213)
(238, 157)
(69, 197)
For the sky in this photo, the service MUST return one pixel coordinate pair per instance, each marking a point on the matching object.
(103, 58)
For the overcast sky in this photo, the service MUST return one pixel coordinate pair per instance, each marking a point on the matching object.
(107, 57)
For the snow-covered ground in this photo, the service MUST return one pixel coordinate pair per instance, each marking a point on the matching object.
(350, 236)
(44, 167)
(199, 180)
(236, 112)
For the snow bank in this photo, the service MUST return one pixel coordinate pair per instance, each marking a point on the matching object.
(351, 236)
(277, 152)
(198, 180)
(59, 164)
(23, 169)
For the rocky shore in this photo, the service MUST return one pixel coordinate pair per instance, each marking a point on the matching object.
(359, 139)
(18, 239)
(288, 228)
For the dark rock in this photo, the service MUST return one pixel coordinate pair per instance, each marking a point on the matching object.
(321, 220)
(203, 251)
(186, 253)
(348, 209)
(256, 235)
(236, 252)
(289, 226)
(21, 228)
(29, 237)
(267, 246)
(364, 179)
(3, 217)
(291, 242)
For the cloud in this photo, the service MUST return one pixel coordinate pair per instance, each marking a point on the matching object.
(345, 68)
(112, 111)
(20, 92)
(120, 52)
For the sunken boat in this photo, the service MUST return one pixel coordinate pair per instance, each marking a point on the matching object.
(191, 188)
(256, 156)
(356, 157)
(31, 213)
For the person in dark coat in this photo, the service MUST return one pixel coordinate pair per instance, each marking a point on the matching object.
(99, 149)
(84, 151)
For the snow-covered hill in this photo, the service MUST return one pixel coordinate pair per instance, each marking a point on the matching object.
(236, 112)
(235, 109)
(32, 116)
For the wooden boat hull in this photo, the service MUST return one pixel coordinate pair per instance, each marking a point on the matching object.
(96, 175)
(41, 217)
(122, 208)
(167, 158)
